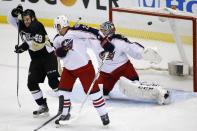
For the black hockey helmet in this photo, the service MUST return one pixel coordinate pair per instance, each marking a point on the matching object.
(29, 12)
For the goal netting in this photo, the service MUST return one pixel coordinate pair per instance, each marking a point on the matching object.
(172, 33)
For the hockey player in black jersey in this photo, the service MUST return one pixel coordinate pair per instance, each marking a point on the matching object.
(43, 60)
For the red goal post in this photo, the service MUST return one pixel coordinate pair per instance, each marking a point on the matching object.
(176, 16)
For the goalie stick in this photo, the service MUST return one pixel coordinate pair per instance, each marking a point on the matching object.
(61, 103)
(88, 93)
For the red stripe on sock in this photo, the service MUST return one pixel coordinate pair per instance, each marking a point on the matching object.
(101, 101)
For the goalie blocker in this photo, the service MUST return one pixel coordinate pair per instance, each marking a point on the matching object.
(144, 91)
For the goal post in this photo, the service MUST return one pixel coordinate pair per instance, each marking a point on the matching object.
(176, 16)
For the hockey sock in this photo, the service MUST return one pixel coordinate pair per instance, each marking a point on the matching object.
(67, 102)
(38, 97)
(99, 103)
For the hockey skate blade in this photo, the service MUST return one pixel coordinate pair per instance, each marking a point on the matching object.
(68, 122)
(105, 126)
(58, 125)
(43, 115)
(61, 125)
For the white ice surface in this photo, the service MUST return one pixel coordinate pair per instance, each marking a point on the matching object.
(125, 115)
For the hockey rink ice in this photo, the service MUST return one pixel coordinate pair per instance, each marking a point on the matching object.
(125, 115)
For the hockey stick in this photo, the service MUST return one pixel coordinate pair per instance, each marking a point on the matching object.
(17, 85)
(77, 22)
(88, 93)
(61, 103)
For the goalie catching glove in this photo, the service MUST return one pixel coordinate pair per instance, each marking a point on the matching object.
(151, 55)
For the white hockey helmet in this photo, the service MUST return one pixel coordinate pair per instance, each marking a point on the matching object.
(107, 28)
(61, 22)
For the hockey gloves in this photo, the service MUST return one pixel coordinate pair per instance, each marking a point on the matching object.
(23, 47)
(107, 45)
(18, 49)
(63, 50)
(17, 11)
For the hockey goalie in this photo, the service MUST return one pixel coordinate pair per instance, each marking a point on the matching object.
(118, 66)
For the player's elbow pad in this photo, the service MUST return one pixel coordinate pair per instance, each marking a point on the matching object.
(61, 52)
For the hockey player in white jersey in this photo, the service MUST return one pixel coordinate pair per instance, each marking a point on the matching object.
(71, 46)
(118, 66)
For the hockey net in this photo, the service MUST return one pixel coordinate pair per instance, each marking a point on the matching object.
(171, 32)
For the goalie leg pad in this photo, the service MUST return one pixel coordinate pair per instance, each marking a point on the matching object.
(143, 91)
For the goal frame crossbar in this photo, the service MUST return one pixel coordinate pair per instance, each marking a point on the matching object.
(176, 16)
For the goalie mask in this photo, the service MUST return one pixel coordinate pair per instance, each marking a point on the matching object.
(61, 22)
(107, 28)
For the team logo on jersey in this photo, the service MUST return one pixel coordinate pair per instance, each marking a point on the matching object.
(109, 57)
(26, 36)
(68, 44)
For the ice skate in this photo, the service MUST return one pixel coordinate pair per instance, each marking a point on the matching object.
(105, 119)
(42, 111)
(62, 118)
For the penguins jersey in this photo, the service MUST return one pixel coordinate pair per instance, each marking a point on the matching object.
(119, 56)
(34, 37)
(77, 38)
